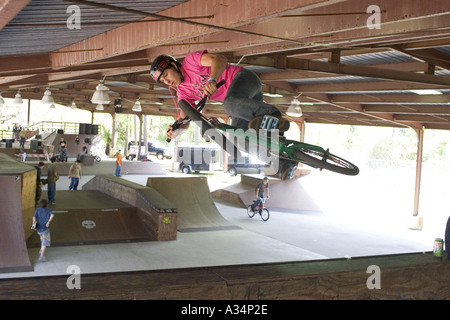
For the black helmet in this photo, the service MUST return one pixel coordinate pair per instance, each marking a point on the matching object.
(160, 64)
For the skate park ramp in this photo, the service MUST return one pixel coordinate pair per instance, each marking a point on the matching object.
(289, 195)
(18, 187)
(92, 217)
(196, 208)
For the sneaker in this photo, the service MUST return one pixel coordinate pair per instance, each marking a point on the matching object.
(42, 259)
(266, 121)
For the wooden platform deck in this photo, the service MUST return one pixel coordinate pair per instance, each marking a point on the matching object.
(406, 276)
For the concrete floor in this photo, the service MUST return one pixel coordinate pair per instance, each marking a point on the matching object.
(287, 236)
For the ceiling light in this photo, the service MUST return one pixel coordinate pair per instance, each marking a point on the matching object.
(18, 99)
(137, 106)
(273, 95)
(47, 98)
(425, 91)
(73, 105)
(294, 110)
(99, 107)
(2, 102)
(100, 95)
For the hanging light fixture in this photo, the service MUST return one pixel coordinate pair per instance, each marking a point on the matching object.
(294, 110)
(47, 98)
(137, 106)
(101, 95)
(2, 102)
(73, 105)
(99, 107)
(18, 99)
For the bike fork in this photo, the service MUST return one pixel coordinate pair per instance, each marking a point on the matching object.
(325, 157)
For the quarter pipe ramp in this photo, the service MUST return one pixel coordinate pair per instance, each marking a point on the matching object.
(192, 197)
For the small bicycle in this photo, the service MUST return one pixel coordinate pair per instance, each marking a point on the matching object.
(260, 208)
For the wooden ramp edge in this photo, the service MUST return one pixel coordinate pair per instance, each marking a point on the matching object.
(417, 276)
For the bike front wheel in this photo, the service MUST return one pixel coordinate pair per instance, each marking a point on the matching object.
(265, 214)
(322, 159)
(250, 211)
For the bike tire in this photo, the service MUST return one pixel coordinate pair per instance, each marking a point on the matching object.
(265, 214)
(324, 160)
(250, 212)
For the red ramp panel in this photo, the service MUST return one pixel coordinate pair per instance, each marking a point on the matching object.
(192, 197)
(13, 250)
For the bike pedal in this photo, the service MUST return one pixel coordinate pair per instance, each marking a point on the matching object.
(269, 122)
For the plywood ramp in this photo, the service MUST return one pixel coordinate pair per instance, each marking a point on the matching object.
(92, 217)
(290, 194)
(17, 197)
(156, 212)
(192, 197)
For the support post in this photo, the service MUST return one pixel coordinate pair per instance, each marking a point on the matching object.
(113, 133)
(29, 112)
(418, 220)
(144, 119)
(140, 136)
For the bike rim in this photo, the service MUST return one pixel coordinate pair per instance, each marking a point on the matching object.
(325, 160)
(265, 214)
(250, 212)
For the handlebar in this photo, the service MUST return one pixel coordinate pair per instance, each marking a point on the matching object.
(199, 106)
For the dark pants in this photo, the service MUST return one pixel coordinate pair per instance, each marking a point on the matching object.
(244, 100)
(74, 183)
(51, 191)
(38, 192)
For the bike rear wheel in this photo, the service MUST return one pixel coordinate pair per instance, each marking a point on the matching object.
(324, 160)
(265, 214)
(250, 211)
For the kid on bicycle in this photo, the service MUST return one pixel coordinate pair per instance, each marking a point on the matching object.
(261, 188)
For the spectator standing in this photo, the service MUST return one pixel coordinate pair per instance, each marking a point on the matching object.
(75, 175)
(52, 177)
(119, 158)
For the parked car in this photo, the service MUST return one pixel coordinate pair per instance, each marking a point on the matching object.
(155, 148)
(244, 164)
(133, 151)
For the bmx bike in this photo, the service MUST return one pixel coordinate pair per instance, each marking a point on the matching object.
(61, 156)
(259, 208)
(291, 151)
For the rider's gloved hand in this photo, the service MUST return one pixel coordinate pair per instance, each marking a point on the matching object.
(210, 88)
(172, 134)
